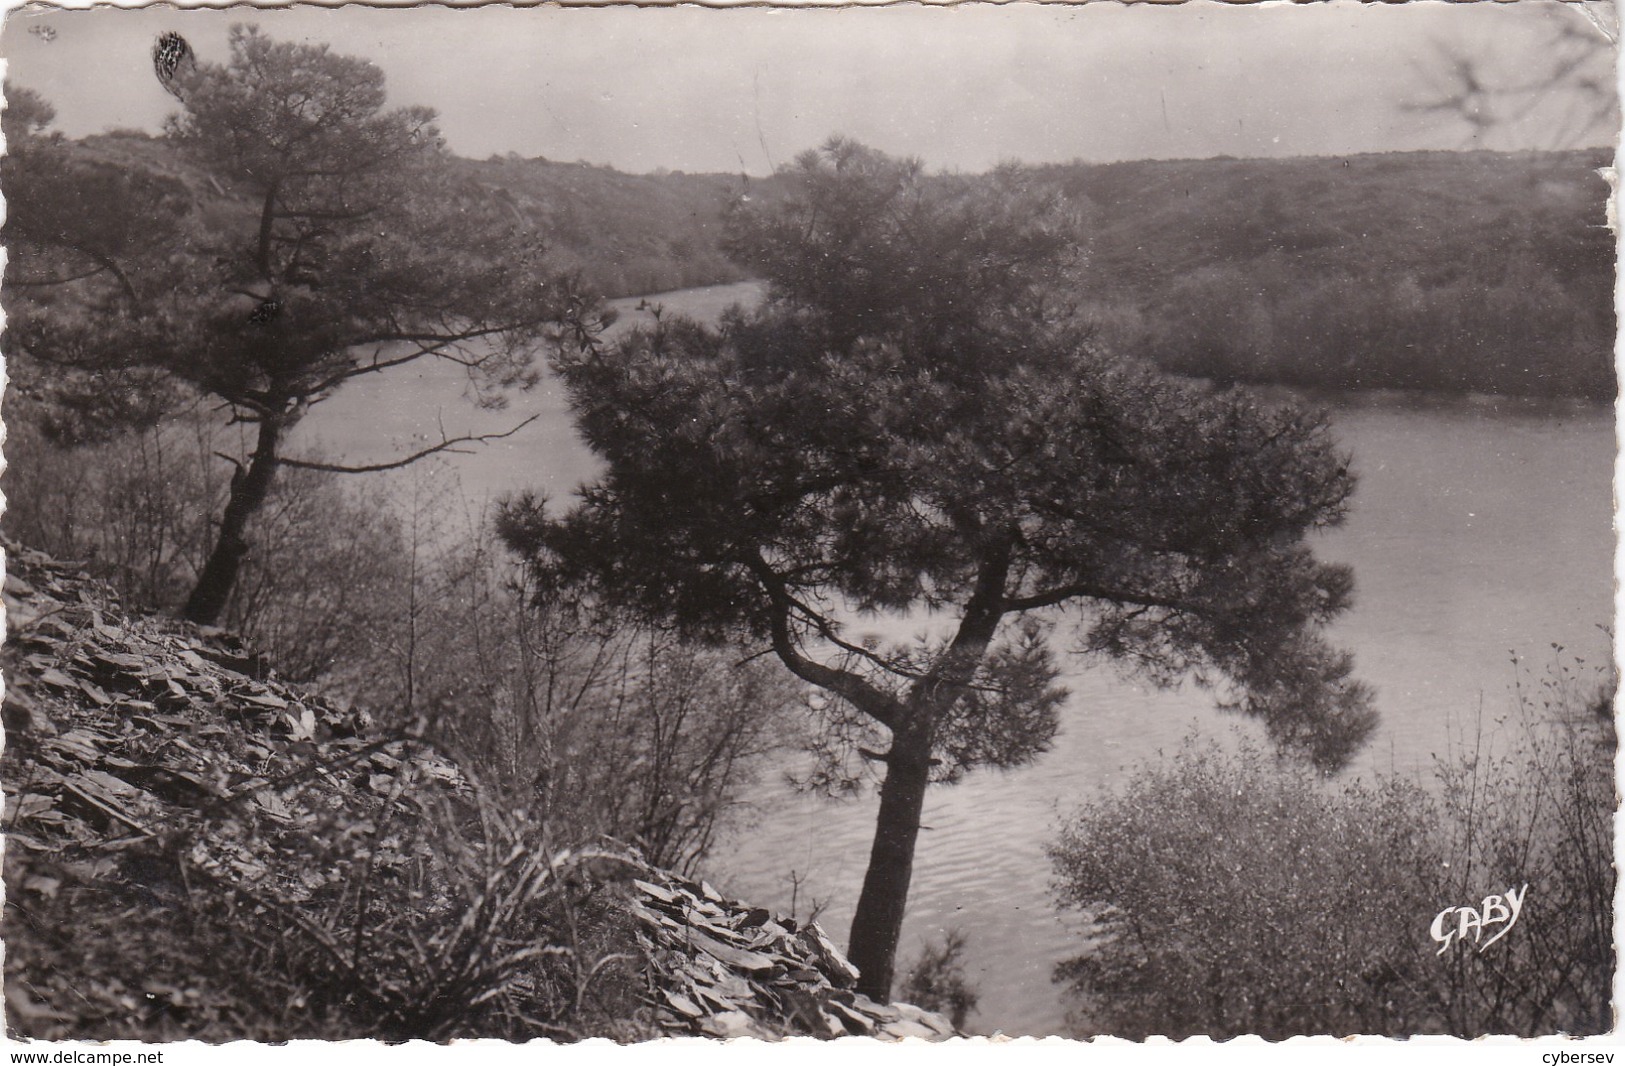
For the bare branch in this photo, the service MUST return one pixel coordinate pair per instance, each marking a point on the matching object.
(446, 445)
(233, 460)
(257, 406)
(99, 268)
(434, 344)
(826, 630)
(376, 366)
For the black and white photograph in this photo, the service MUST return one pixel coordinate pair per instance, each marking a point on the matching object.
(867, 523)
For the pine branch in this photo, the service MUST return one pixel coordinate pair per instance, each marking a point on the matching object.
(434, 344)
(849, 686)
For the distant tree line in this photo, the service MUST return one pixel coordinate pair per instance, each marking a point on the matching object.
(627, 234)
(1453, 272)
(1444, 271)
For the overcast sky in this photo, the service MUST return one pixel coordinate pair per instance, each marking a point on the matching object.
(962, 87)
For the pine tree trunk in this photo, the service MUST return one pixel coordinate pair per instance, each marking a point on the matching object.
(878, 924)
(249, 489)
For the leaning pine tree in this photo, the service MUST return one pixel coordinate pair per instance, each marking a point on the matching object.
(914, 421)
(291, 234)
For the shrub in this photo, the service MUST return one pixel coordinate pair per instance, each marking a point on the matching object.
(1232, 894)
(613, 728)
(131, 507)
(1236, 895)
(937, 980)
(321, 580)
(1531, 799)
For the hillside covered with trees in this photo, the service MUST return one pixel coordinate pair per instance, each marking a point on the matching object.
(1451, 271)
(1446, 271)
(1455, 272)
(627, 234)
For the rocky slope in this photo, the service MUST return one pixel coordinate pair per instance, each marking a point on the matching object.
(197, 850)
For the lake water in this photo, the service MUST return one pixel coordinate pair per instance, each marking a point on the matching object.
(1481, 528)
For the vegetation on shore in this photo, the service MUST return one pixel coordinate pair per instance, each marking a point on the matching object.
(1229, 894)
(1453, 272)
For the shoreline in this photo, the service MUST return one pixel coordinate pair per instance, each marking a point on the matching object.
(1331, 396)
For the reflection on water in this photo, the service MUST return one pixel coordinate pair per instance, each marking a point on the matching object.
(1480, 528)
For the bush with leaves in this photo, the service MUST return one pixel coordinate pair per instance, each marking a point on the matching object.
(1235, 895)
(1232, 894)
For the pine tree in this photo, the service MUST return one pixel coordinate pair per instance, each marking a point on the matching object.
(917, 421)
(298, 235)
